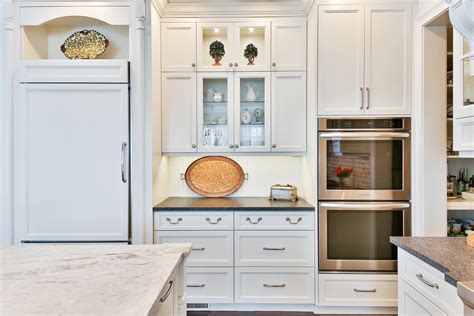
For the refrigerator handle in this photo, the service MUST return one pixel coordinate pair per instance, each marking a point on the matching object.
(124, 162)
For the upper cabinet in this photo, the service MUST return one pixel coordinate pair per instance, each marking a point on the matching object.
(361, 72)
(289, 46)
(215, 46)
(252, 46)
(173, 56)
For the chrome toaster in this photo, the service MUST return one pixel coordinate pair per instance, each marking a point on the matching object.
(283, 192)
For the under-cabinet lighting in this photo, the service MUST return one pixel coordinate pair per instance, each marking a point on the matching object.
(251, 29)
(216, 30)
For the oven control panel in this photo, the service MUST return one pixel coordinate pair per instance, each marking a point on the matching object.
(364, 124)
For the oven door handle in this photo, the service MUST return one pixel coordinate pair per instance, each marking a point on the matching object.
(365, 206)
(365, 135)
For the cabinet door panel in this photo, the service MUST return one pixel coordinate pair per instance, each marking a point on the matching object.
(341, 60)
(173, 56)
(288, 112)
(289, 46)
(388, 59)
(411, 302)
(178, 112)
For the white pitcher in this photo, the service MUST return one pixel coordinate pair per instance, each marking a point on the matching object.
(252, 92)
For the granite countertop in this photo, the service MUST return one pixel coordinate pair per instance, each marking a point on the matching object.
(231, 204)
(450, 255)
(89, 279)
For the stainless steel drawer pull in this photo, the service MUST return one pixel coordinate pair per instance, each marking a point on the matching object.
(174, 223)
(368, 98)
(214, 223)
(430, 284)
(123, 163)
(294, 223)
(248, 219)
(274, 285)
(167, 292)
(362, 98)
(198, 249)
(365, 291)
(271, 248)
(196, 285)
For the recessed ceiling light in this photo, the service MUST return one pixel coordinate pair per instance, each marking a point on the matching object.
(251, 29)
(216, 30)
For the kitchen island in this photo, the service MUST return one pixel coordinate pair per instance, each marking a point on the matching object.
(93, 279)
(437, 268)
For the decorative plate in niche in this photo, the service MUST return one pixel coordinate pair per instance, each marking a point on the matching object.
(85, 44)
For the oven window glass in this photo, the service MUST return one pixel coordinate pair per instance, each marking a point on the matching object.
(364, 164)
(362, 235)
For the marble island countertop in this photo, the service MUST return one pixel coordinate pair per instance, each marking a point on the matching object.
(231, 204)
(89, 279)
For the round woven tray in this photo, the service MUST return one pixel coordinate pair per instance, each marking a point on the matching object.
(214, 176)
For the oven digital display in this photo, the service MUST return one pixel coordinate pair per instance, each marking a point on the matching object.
(395, 123)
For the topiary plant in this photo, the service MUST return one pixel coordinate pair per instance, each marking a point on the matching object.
(250, 53)
(216, 51)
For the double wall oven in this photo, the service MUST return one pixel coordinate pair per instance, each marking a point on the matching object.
(364, 192)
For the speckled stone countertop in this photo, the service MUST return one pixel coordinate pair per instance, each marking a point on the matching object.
(450, 255)
(92, 279)
(231, 204)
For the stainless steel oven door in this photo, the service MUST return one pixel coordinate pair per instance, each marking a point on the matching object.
(355, 236)
(364, 166)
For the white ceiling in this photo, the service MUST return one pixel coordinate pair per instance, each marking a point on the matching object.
(227, 1)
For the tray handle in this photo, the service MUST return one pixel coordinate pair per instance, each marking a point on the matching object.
(182, 176)
(246, 176)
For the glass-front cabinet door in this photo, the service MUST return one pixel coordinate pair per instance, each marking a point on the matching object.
(252, 112)
(252, 46)
(215, 112)
(215, 46)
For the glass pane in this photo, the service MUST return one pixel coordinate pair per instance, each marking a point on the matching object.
(215, 47)
(364, 165)
(252, 112)
(468, 82)
(373, 230)
(215, 113)
(252, 46)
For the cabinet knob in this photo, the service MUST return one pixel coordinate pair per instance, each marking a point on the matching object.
(236, 65)
(193, 146)
(193, 65)
(231, 64)
(274, 64)
(274, 146)
(236, 146)
(231, 146)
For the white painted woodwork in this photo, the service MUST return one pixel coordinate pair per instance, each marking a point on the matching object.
(345, 289)
(274, 220)
(74, 71)
(412, 302)
(292, 285)
(170, 305)
(178, 112)
(210, 248)
(237, 110)
(464, 136)
(193, 220)
(242, 37)
(388, 59)
(288, 112)
(444, 297)
(67, 135)
(178, 47)
(229, 96)
(274, 248)
(210, 285)
(206, 34)
(288, 46)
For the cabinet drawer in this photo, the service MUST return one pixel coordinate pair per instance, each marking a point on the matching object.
(210, 248)
(411, 302)
(357, 290)
(210, 285)
(193, 221)
(274, 285)
(429, 282)
(274, 248)
(274, 220)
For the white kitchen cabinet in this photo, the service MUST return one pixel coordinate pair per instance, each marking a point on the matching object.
(289, 46)
(387, 59)
(207, 33)
(258, 34)
(179, 118)
(412, 303)
(71, 162)
(215, 112)
(341, 60)
(169, 301)
(288, 112)
(364, 60)
(210, 285)
(174, 56)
